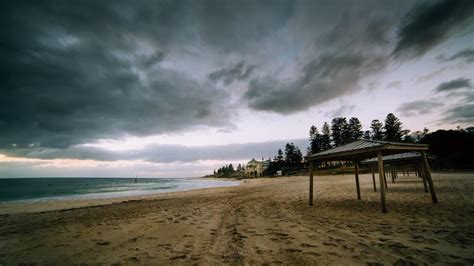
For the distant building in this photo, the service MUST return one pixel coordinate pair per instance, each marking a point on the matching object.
(256, 168)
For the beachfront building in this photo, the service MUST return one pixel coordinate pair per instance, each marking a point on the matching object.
(256, 168)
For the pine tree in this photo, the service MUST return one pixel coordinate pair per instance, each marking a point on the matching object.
(392, 128)
(314, 140)
(339, 129)
(325, 137)
(280, 155)
(289, 151)
(355, 129)
(376, 132)
(366, 134)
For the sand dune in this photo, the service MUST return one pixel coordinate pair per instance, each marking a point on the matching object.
(261, 221)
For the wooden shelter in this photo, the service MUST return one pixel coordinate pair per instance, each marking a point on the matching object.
(405, 162)
(360, 150)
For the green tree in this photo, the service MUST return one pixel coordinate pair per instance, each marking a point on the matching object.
(293, 155)
(289, 151)
(392, 128)
(280, 155)
(355, 129)
(325, 143)
(419, 135)
(339, 131)
(366, 134)
(376, 130)
(314, 140)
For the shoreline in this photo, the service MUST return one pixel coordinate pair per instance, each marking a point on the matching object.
(51, 204)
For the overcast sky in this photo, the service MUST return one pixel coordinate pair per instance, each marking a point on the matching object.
(178, 88)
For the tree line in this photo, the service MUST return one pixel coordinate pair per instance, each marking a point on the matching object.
(343, 131)
(227, 170)
(452, 147)
(288, 161)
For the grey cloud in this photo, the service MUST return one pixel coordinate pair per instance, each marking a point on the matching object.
(463, 114)
(419, 107)
(76, 72)
(394, 84)
(455, 84)
(466, 55)
(430, 75)
(430, 23)
(353, 49)
(239, 71)
(161, 153)
(343, 110)
(323, 79)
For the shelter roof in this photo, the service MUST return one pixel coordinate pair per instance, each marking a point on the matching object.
(401, 157)
(363, 149)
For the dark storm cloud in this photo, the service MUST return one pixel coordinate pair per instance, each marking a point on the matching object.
(420, 107)
(353, 48)
(323, 79)
(79, 71)
(431, 23)
(466, 55)
(160, 153)
(239, 71)
(456, 84)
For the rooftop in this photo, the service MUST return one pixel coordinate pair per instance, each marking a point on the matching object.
(363, 149)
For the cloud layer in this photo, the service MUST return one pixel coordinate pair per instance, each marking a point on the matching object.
(429, 24)
(74, 73)
(456, 84)
(160, 153)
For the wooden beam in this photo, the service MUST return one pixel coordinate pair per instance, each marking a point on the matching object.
(373, 179)
(357, 179)
(426, 169)
(423, 176)
(381, 177)
(311, 183)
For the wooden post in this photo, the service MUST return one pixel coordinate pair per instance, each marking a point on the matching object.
(381, 177)
(310, 183)
(426, 169)
(373, 179)
(423, 176)
(392, 170)
(384, 178)
(357, 179)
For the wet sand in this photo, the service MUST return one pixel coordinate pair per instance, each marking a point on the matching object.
(260, 221)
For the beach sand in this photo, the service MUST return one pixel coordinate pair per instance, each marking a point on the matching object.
(260, 221)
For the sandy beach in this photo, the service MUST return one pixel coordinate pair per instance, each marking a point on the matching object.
(261, 221)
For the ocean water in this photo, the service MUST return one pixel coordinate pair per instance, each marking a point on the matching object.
(46, 189)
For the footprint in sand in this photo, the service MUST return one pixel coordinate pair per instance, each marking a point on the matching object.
(312, 254)
(329, 244)
(103, 243)
(293, 250)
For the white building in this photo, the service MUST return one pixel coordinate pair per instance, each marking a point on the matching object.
(256, 168)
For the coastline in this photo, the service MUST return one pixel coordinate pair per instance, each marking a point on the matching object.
(61, 204)
(265, 220)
